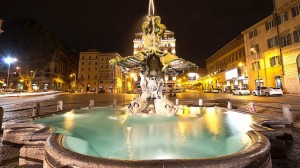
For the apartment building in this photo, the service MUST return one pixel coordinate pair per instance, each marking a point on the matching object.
(95, 73)
(272, 48)
(226, 68)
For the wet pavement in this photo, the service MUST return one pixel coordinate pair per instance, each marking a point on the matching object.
(10, 153)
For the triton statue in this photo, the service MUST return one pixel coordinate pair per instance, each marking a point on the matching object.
(152, 65)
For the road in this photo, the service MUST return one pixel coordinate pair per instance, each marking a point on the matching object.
(19, 107)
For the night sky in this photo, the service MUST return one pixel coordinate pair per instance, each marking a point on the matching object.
(201, 27)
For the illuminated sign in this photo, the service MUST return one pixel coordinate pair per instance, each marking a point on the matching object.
(232, 74)
(193, 76)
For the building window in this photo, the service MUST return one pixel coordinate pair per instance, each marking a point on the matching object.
(96, 63)
(285, 40)
(81, 69)
(81, 76)
(275, 61)
(82, 63)
(252, 34)
(89, 68)
(82, 57)
(270, 24)
(89, 57)
(101, 82)
(272, 42)
(283, 17)
(296, 36)
(95, 76)
(296, 11)
(88, 76)
(256, 47)
(298, 63)
(96, 68)
(256, 66)
(89, 63)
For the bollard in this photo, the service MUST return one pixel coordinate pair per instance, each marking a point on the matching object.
(200, 102)
(251, 107)
(36, 109)
(59, 105)
(114, 102)
(1, 116)
(229, 105)
(287, 114)
(177, 102)
(92, 103)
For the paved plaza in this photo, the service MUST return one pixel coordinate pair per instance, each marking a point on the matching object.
(10, 152)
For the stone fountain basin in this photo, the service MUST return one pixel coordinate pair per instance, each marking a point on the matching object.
(257, 155)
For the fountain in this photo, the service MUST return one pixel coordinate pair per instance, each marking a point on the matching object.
(113, 137)
(152, 64)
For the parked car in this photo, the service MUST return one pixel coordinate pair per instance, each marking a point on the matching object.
(207, 91)
(215, 91)
(268, 91)
(101, 91)
(241, 91)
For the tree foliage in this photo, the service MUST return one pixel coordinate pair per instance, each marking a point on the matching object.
(31, 43)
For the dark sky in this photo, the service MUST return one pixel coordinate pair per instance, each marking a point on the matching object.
(201, 27)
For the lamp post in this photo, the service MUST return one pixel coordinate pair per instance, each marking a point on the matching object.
(73, 74)
(254, 50)
(9, 61)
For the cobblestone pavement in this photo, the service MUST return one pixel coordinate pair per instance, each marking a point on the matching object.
(9, 156)
(293, 152)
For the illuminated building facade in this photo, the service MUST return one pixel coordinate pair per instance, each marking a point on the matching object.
(167, 43)
(96, 74)
(226, 68)
(55, 76)
(276, 40)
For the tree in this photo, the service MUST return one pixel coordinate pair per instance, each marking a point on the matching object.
(32, 44)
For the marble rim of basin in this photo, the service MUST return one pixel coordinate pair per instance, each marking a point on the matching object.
(256, 153)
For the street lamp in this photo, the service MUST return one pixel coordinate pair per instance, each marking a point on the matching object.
(254, 50)
(73, 74)
(9, 61)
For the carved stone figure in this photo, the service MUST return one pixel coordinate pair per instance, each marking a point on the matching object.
(152, 65)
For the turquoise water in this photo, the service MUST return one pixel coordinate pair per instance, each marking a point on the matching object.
(112, 133)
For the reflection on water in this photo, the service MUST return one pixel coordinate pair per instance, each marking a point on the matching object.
(194, 133)
(69, 120)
